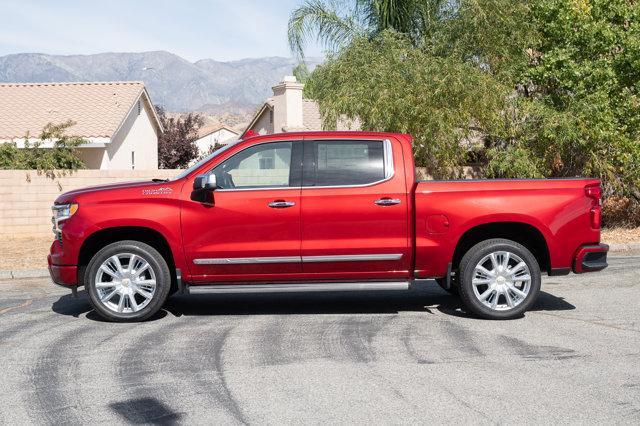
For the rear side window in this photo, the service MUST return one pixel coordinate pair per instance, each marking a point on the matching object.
(340, 163)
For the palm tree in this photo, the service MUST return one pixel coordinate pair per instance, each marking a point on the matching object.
(335, 22)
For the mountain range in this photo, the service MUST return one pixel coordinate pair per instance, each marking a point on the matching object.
(206, 85)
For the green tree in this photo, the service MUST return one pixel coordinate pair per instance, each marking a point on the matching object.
(334, 23)
(389, 85)
(578, 107)
(62, 155)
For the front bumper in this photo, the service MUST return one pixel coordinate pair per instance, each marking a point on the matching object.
(64, 275)
(591, 258)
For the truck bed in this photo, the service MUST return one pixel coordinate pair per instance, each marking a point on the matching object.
(558, 209)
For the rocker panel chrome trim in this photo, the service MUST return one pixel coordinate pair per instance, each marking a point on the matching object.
(299, 287)
(297, 259)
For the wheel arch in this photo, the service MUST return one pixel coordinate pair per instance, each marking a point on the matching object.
(99, 239)
(524, 233)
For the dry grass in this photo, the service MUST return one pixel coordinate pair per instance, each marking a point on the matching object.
(31, 252)
(621, 235)
(24, 252)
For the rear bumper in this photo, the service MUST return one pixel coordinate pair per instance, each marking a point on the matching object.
(591, 258)
(64, 275)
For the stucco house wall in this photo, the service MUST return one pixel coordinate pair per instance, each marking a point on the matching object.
(135, 145)
(219, 136)
(264, 122)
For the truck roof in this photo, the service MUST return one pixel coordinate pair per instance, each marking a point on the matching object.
(330, 134)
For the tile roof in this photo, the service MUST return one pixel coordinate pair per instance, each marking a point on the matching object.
(207, 130)
(97, 108)
(311, 118)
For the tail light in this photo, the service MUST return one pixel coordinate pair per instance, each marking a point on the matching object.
(595, 193)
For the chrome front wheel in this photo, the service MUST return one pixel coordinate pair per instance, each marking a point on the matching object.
(125, 283)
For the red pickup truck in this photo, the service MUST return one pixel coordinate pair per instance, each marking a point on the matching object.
(322, 211)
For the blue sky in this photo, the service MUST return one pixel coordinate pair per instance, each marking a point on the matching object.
(196, 29)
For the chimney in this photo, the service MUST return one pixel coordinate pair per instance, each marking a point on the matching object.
(287, 105)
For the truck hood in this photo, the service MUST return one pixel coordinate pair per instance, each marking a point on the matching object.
(114, 187)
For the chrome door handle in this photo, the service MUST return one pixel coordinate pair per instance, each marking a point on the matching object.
(280, 204)
(387, 201)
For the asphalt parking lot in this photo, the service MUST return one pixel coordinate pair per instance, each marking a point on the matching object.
(410, 357)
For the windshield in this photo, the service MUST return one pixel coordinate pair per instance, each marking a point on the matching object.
(203, 160)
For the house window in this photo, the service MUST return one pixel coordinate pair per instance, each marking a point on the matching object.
(133, 160)
(267, 160)
(270, 116)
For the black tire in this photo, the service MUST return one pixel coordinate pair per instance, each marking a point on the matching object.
(467, 270)
(156, 262)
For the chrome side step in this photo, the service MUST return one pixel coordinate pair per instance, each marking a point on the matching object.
(297, 287)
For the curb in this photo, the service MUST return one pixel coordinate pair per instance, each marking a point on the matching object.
(24, 273)
(622, 247)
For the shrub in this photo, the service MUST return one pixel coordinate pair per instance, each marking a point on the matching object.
(620, 211)
(63, 155)
(176, 145)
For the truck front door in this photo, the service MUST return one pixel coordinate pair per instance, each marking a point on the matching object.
(252, 230)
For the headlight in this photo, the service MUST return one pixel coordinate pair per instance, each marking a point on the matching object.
(62, 212)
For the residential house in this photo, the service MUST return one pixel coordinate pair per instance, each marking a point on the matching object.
(117, 119)
(289, 111)
(209, 137)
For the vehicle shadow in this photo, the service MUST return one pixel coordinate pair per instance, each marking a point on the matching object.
(76, 306)
(146, 411)
(421, 298)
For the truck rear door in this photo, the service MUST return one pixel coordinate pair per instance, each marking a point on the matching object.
(354, 210)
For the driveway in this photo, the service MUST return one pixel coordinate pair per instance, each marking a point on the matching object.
(410, 357)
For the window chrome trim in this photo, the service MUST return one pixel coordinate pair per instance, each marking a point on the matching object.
(298, 259)
(270, 188)
(389, 167)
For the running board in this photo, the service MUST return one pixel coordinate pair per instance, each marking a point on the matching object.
(297, 287)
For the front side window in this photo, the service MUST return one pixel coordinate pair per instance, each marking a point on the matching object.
(351, 162)
(260, 166)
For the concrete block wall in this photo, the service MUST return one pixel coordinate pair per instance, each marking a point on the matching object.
(470, 172)
(26, 196)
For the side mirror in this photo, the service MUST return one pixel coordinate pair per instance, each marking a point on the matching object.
(205, 182)
(203, 187)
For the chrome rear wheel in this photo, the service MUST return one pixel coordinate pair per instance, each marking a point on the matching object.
(501, 280)
(498, 279)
